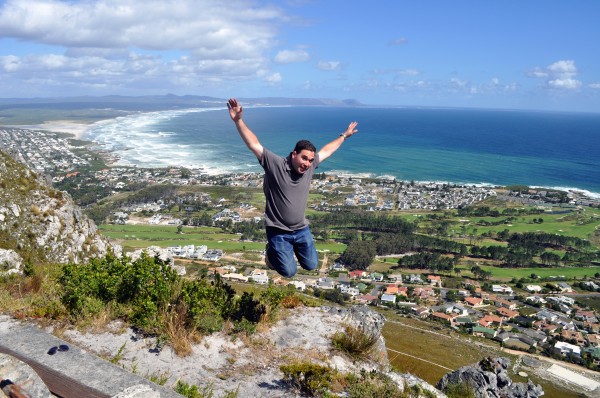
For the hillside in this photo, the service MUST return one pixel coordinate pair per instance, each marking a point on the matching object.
(39, 224)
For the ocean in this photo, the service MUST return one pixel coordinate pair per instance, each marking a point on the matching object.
(465, 146)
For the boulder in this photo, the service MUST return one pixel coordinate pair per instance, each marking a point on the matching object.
(489, 379)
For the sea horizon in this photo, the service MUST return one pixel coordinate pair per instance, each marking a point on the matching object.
(554, 150)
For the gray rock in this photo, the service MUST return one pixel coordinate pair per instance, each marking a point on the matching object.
(489, 379)
(18, 376)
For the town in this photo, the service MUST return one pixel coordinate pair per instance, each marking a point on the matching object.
(541, 318)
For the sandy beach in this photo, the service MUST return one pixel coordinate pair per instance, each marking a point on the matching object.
(76, 129)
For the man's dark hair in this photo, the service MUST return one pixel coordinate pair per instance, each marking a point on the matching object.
(304, 144)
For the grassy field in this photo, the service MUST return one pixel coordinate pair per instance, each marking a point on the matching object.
(580, 225)
(568, 272)
(133, 237)
(428, 351)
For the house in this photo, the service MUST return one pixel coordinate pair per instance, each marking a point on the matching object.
(593, 340)
(562, 300)
(489, 320)
(547, 327)
(481, 331)
(507, 314)
(471, 283)
(259, 276)
(439, 316)
(534, 334)
(299, 285)
(434, 280)
(474, 302)
(463, 321)
(365, 299)
(376, 276)
(235, 277)
(564, 287)
(594, 353)
(388, 298)
(397, 278)
(547, 316)
(403, 291)
(421, 312)
(533, 288)
(565, 349)
(571, 335)
(325, 283)
(505, 289)
(415, 278)
(392, 289)
(586, 316)
(535, 300)
(499, 302)
(423, 293)
(352, 291)
(591, 327)
(357, 274)
(516, 340)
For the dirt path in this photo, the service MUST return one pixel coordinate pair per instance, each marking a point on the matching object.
(324, 264)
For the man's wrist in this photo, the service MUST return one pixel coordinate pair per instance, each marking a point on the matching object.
(343, 135)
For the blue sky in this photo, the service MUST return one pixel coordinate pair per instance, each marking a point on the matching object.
(534, 54)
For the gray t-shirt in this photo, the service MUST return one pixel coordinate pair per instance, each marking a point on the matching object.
(286, 191)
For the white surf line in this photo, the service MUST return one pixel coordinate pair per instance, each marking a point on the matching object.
(420, 359)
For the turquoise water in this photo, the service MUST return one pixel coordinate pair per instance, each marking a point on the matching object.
(453, 145)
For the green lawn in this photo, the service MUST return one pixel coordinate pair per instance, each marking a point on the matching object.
(581, 225)
(133, 237)
(568, 272)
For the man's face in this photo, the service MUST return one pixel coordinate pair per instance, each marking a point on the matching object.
(302, 161)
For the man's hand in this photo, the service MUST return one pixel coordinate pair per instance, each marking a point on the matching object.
(351, 129)
(235, 110)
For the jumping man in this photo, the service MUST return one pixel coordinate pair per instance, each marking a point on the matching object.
(286, 186)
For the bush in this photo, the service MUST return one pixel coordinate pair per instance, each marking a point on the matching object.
(355, 341)
(309, 378)
(373, 385)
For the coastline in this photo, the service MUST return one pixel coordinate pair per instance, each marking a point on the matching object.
(78, 130)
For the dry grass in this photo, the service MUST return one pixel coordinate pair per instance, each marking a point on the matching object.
(180, 337)
(355, 341)
(291, 302)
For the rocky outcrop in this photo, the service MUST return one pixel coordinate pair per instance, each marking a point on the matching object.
(16, 377)
(41, 224)
(489, 379)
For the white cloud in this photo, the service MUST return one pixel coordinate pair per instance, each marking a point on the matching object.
(537, 72)
(114, 43)
(290, 56)
(566, 67)
(564, 83)
(275, 78)
(329, 65)
(204, 27)
(560, 75)
(399, 41)
(594, 86)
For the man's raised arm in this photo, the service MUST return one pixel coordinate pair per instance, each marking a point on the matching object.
(333, 146)
(235, 112)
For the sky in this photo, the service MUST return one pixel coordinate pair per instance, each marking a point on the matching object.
(507, 54)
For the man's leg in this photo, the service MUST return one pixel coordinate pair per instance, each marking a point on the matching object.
(304, 247)
(280, 252)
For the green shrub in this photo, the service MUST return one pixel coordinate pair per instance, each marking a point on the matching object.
(459, 390)
(309, 378)
(373, 385)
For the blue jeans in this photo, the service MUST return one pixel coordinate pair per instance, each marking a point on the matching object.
(283, 245)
